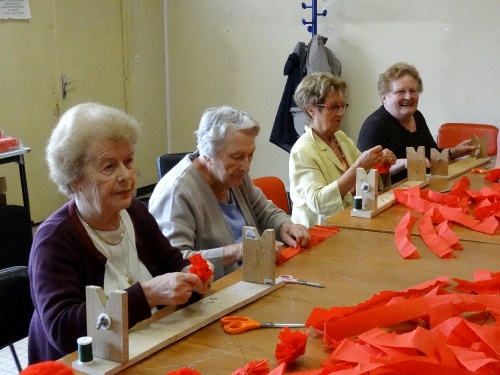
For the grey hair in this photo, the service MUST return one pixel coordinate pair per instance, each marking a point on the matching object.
(314, 88)
(214, 125)
(67, 148)
(396, 71)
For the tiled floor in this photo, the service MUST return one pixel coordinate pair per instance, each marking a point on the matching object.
(7, 364)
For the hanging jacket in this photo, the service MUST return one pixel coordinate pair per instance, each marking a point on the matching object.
(283, 133)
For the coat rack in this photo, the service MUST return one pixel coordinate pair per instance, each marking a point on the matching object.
(313, 25)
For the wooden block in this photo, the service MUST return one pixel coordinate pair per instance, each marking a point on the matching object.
(416, 163)
(3, 184)
(108, 343)
(481, 145)
(367, 188)
(440, 162)
(171, 328)
(386, 200)
(259, 259)
(462, 166)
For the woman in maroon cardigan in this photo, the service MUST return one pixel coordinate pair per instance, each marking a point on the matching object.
(102, 236)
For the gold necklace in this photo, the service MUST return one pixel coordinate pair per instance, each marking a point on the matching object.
(106, 241)
(126, 272)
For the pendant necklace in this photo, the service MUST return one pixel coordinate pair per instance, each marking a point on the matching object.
(107, 243)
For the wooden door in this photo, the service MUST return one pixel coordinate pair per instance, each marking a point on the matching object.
(89, 52)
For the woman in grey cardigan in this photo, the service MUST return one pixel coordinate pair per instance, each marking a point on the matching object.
(202, 204)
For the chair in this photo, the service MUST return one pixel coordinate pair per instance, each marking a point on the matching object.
(274, 190)
(16, 236)
(16, 307)
(452, 133)
(165, 163)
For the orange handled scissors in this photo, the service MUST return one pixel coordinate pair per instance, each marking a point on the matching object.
(239, 324)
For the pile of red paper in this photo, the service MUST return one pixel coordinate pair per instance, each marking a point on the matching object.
(477, 210)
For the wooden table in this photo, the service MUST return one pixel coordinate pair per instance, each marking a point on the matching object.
(352, 264)
(387, 220)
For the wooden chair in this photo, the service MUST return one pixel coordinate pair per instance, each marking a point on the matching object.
(274, 190)
(452, 133)
(16, 307)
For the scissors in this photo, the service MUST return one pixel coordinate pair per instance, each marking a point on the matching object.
(292, 280)
(239, 324)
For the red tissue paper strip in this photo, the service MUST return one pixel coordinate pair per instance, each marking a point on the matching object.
(317, 234)
(200, 267)
(447, 337)
(433, 241)
(260, 367)
(485, 282)
(184, 371)
(383, 168)
(493, 175)
(402, 237)
(292, 345)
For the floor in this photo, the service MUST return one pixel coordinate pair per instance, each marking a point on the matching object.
(7, 364)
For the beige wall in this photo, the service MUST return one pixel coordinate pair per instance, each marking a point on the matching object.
(233, 52)
(30, 89)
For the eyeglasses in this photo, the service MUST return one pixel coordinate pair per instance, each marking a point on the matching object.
(334, 107)
(412, 92)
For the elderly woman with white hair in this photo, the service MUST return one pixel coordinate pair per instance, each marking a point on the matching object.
(102, 236)
(202, 204)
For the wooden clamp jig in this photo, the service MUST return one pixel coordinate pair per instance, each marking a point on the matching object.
(415, 161)
(259, 257)
(107, 324)
(441, 168)
(439, 162)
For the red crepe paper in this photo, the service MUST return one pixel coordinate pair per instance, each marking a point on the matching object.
(366, 339)
(317, 234)
(184, 371)
(292, 345)
(280, 370)
(493, 175)
(47, 368)
(260, 367)
(485, 282)
(383, 168)
(402, 237)
(433, 241)
(200, 267)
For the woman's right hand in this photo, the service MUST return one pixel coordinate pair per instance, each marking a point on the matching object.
(371, 158)
(171, 288)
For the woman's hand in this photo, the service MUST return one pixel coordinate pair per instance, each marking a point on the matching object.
(389, 157)
(462, 149)
(294, 235)
(371, 158)
(173, 288)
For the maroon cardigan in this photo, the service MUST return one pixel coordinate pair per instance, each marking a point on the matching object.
(64, 260)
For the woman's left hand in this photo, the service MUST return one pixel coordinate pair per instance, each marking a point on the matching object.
(462, 149)
(294, 235)
(389, 157)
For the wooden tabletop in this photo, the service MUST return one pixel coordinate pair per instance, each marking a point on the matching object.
(352, 264)
(387, 220)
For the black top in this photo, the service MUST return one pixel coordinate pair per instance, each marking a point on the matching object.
(382, 128)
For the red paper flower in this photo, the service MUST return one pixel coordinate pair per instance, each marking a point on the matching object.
(254, 368)
(184, 371)
(48, 368)
(200, 267)
(292, 345)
